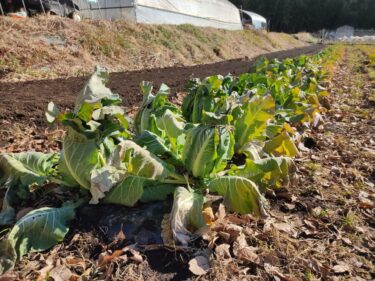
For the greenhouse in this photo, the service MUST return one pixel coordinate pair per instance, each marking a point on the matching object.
(211, 13)
(254, 20)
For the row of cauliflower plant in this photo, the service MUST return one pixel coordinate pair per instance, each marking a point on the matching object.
(233, 136)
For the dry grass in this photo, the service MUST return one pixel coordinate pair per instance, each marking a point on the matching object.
(50, 47)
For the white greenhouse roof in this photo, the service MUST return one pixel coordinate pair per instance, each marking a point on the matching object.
(216, 13)
(255, 16)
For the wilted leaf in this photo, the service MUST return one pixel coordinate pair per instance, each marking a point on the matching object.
(270, 172)
(95, 90)
(281, 145)
(102, 181)
(186, 214)
(52, 112)
(240, 194)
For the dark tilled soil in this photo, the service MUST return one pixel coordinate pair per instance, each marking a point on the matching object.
(26, 102)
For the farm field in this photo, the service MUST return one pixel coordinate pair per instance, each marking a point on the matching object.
(319, 222)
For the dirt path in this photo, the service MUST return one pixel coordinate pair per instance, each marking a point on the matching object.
(26, 102)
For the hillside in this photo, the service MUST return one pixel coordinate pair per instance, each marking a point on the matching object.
(51, 47)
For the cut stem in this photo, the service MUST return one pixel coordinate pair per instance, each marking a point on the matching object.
(183, 179)
(173, 181)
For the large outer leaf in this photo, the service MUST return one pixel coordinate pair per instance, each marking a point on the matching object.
(173, 126)
(206, 96)
(139, 161)
(153, 143)
(17, 172)
(40, 229)
(141, 121)
(207, 149)
(95, 90)
(64, 173)
(153, 106)
(158, 192)
(281, 145)
(251, 119)
(129, 169)
(268, 172)
(127, 192)
(134, 188)
(25, 168)
(240, 194)
(186, 214)
(81, 157)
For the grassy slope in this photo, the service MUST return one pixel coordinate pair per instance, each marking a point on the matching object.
(38, 48)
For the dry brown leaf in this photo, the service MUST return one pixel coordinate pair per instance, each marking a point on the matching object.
(224, 235)
(204, 232)
(285, 227)
(61, 273)
(43, 273)
(199, 265)
(222, 251)
(233, 230)
(346, 241)
(212, 241)
(208, 215)
(365, 202)
(247, 254)
(166, 231)
(236, 220)
(9, 276)
(275, 271)
(341, 267)
(76, 262)
(310, 224)
(221, 213)
(120, 236)
(104, 259)
(136, 256)
(270, 257)
(318, 267)
(239, 243)
(267, 227)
